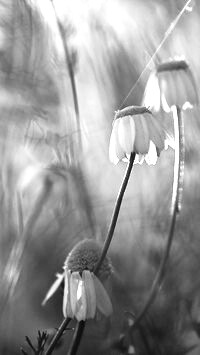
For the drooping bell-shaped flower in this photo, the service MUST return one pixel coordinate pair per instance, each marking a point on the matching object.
(171, 83)
(84, 293)
(136, 130)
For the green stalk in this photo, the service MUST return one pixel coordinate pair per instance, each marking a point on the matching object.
(175, 209)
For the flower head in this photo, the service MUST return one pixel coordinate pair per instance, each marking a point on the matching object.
(84, 293)
(172, 83)
(136, 130)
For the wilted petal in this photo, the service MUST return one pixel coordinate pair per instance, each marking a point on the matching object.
(104, 304)
(53, 288)
(88, 280)
(73, 287)
(141, 135)
(67, 311)
(152, 157)
(125, 135)
(116, 153)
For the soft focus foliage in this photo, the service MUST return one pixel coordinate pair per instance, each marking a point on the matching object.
(109, 43)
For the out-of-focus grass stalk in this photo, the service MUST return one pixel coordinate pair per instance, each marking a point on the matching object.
(72, 78)
(175, 209)
(13, 267)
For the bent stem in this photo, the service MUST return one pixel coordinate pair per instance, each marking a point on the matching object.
(57, 336)
(175, 208)
(115, 215)
(80, 326)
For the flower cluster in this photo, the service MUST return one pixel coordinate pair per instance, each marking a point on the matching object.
(84, 293)
(136, 130)
(172, 83)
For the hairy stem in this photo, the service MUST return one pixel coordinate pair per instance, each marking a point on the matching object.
(115, 213)
(57, 336)
(175, 208)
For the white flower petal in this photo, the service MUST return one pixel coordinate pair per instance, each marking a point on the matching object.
(88, 280)
(73, 286)
(151, 157)
(125, 136)
(67, 311)
(116, 153)
(141, 135)
(53, 288)
(152, 93)
(104, 304)
(168, 89)
(81, 305)
(156, 132)
(192, 94)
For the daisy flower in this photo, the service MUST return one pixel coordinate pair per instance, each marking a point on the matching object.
(136, 130)
(172, 83)
(84, 294)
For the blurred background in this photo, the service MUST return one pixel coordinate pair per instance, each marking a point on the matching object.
(58, 185)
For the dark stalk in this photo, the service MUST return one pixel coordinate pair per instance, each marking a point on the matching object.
(175, 209)
(57, 336)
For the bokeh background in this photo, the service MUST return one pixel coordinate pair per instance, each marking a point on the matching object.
(109, 43)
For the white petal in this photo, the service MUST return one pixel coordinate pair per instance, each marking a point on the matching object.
(81, 305)
(152, 93)
(192, 94)
(168, 88)
(53, 288)
(139, 159)
(116, 153)
(152, 157)
(141, 135)
(156, 132)
(73, 285)
(125, 136)
(104, 304)
(88, 280)
(67, 311)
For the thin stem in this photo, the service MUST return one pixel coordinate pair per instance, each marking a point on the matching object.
(175, 208)
(80, 326)
(77, 338)
(57, 336)
(115, 213)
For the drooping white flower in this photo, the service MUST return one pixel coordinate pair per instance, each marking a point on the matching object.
(172, 83)
(84, 293)
(136, 130)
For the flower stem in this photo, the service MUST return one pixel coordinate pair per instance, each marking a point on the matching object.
(57, 336)
(77, 338)
(175, 209)
(115, 213)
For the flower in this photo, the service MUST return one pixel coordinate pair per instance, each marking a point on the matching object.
(84, 294)
(172, 83)
(136, 130)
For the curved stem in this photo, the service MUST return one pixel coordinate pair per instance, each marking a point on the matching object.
(175, 209)
(80, 326)
(77, 338)
(115, 213)
(57, 336)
